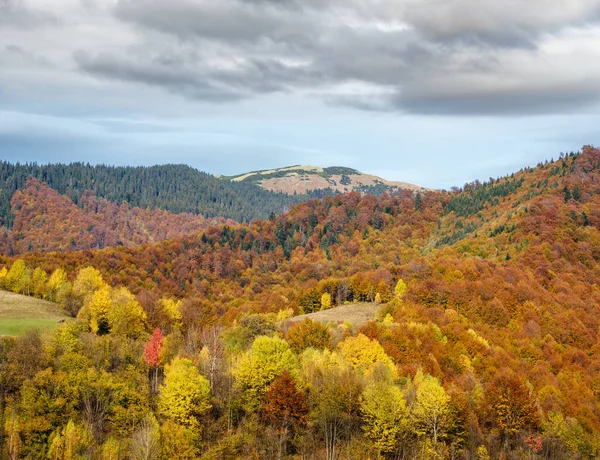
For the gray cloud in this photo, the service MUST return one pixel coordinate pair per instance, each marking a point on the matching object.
(15, 13)
(416, 56)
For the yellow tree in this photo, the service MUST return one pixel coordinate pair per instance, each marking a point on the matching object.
(334, 394)
(172, 308)
(57, 285)
(325, 301)
(185, 394)
(262, 364)
(385, 415)
(177, 441)
(126, 316)
(400, 289)
(365, 354)
(88, 281)
(431, 407)
(95, 310)
(39, 278)
(18, 277)
(70, 443)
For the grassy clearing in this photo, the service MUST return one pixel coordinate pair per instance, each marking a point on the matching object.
(19, 313)
(357, 314)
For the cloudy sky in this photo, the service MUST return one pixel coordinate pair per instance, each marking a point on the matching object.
(434, 92)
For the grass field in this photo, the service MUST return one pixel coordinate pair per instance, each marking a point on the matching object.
(357, 313)
(19, 313)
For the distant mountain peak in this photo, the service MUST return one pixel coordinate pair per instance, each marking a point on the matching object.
(301, 179)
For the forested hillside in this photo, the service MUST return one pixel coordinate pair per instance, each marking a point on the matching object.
(485, 344)
(46, 221)
(174, 188)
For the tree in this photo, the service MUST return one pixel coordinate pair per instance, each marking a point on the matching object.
(39, 279)
(70, 443)
(400, 289)
(385, 415)
(285, 407)
(177, 442)
(325, 301)
(126, 316)
(95, 310)
(152, 355)
(172, 308)
(365, 354)
(513, 407)
(308, 334)
(267, 358)
(431, 407)
(576, 193)
(18, 278)
(58, 286)
(185, 394)
(145, 441)
(88, 281)
(334, 395)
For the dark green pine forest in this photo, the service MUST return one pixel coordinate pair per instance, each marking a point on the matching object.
(175, 188)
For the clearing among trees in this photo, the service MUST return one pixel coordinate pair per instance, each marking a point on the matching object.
(19, 313)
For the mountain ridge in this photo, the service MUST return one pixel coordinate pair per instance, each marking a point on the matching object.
(301, 179)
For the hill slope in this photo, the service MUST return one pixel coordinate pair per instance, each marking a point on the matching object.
(19, 313)
(174, 188)
(303, 179)
(499, 297)
(44, 220)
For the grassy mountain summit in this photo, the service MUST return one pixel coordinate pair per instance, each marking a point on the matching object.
(302, 179)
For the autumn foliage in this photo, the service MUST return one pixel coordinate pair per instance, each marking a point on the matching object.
(485, 344)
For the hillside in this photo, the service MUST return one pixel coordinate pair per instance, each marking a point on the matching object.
(303, 179)
(19, 313)
(45, 221)
(174, 188)
(488, 300)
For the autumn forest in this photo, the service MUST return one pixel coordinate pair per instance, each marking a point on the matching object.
(182, 340)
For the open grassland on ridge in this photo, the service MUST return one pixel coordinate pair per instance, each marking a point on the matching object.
(19, 313)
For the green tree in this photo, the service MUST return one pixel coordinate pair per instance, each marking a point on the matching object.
(185, 394)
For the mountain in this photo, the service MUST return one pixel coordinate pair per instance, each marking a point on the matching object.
(488, 315)
(303, 179)
(174, 188)
(79, 206)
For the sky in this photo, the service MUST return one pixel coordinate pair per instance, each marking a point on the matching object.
(432, 92)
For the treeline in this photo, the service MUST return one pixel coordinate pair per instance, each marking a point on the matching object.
(175, 188)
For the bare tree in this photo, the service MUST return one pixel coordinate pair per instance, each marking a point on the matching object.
(145, 441)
